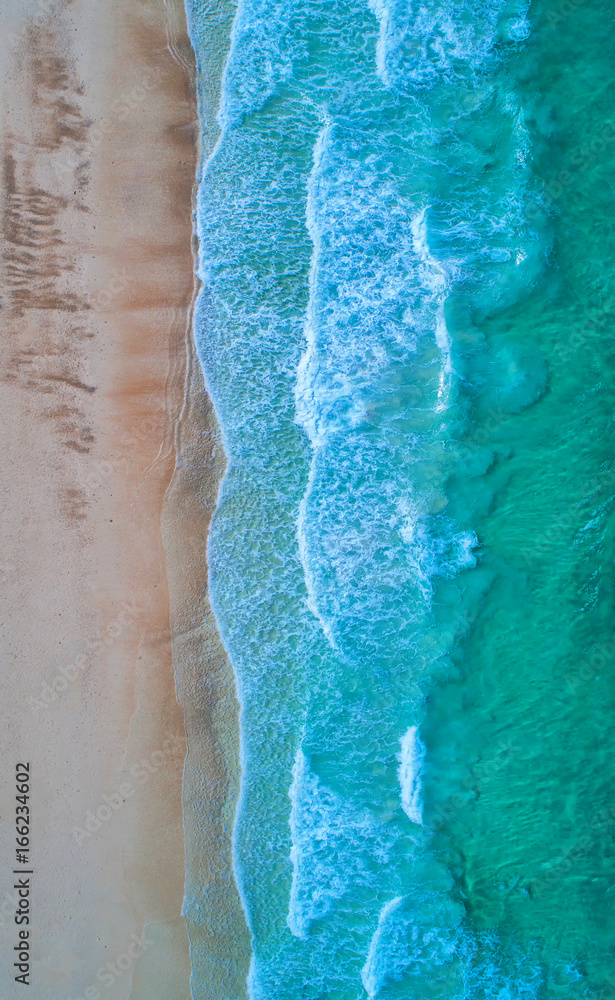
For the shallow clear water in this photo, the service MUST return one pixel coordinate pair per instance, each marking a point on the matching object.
(406, 327)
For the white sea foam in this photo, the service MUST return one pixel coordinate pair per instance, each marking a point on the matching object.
(422, 44)
(411, 758)
(416, 935)
(304, 556)
(371, 309)
(260, 58)
(329, 838)
(368, 544)
(313, 825)
(435, 278)
(306, 405)
(382, 12)
(371, 974)
(517, 29)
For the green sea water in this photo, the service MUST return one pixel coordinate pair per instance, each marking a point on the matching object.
(406, 328)
(522, 740)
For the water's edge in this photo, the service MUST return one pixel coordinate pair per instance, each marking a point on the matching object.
(219, 938)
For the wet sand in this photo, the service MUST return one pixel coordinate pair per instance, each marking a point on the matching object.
(99, 400)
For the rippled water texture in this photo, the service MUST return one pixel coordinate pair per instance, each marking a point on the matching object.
(406, 325)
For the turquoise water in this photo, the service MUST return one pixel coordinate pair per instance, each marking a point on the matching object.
(406, 324)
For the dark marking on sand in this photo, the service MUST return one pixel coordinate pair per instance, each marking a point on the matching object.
(71, 380)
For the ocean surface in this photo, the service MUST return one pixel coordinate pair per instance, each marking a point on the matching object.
(407, 327)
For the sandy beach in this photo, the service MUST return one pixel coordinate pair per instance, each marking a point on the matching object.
(100, 401)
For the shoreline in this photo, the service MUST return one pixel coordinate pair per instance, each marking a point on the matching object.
(219, 937)
(99, 134)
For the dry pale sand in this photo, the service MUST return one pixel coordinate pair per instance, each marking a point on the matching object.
(100, 400)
